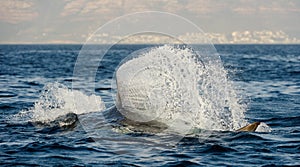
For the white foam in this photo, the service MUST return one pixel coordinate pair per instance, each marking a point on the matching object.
(57, 100)
(263, 127)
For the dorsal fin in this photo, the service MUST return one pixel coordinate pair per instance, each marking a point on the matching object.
(249, 128)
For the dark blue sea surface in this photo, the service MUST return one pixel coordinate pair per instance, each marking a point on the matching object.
(268, 77)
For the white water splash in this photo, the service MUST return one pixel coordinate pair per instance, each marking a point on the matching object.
(57, 100)
(263, 127)
(174, 86)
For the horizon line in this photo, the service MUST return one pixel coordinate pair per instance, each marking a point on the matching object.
(29, 43)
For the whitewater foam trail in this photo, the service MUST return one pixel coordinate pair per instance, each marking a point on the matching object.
(173, 85)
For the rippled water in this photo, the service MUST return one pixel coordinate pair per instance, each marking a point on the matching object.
(266, 76)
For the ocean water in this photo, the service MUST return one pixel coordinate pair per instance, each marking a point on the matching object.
(36, 98)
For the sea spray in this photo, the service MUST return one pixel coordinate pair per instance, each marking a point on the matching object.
(172, 84)
(57, 100)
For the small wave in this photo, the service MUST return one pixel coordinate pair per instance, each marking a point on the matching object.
(64, 122)
(182, 163)
(247, 137)
(6, 107)
(218, 149)
(7, 94)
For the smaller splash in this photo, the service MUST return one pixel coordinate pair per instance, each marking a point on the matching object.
(56, 100)
(263, 127)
